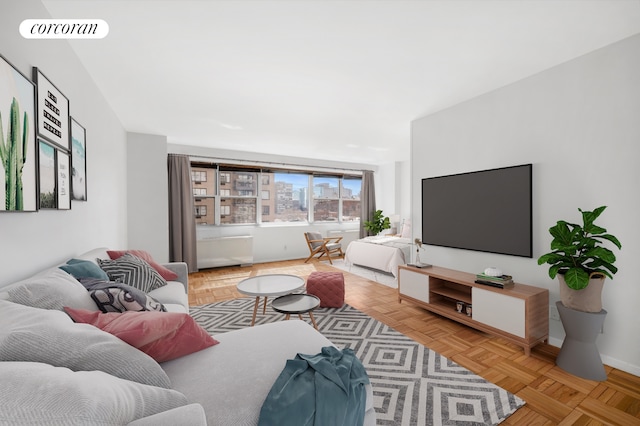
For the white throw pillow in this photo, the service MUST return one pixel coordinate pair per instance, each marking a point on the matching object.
(51, 290)
(36, 393)
(49, 336)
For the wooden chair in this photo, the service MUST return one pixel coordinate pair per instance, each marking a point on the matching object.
(324, 247)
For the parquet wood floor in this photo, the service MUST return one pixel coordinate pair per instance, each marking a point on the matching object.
(553, 396)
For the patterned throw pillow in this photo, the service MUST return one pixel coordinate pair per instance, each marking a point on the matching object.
(167, 274)
(116, 297)
(133, 271)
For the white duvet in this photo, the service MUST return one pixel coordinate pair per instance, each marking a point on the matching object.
(384, 253)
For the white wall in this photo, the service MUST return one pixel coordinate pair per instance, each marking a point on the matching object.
(578, 123)
(30, 241)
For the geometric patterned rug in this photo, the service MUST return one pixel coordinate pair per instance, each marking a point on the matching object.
(412, 384)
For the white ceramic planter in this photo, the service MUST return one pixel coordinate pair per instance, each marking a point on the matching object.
(589, 299)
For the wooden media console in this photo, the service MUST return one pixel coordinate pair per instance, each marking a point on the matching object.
(519, 314)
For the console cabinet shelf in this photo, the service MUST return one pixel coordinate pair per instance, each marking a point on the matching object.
(519, 314)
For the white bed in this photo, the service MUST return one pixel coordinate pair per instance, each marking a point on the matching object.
(383, 253)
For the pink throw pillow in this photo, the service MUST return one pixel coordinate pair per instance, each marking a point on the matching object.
(167, 274)
(161, 335)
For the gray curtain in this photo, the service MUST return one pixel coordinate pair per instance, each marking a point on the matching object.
(182, 222)
(367, 201)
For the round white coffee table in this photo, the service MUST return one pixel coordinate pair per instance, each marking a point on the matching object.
(269, 286)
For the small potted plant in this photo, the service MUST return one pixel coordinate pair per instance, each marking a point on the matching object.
(580, 261)
(378, 224)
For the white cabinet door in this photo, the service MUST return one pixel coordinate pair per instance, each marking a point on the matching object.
(499, 311)
(414, 285)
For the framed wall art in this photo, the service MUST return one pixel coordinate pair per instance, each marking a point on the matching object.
(18, 174)
(63, 184)
(78, 161)
(47, 175)
(53, 111)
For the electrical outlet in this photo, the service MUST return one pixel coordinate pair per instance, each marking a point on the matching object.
(553, 313)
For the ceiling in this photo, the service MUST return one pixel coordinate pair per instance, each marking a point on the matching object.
(331, 80)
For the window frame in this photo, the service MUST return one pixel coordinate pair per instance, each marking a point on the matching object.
(223, 176)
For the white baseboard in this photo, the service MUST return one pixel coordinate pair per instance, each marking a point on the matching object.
(610, 361)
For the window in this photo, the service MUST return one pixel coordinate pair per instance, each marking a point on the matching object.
(238, 210)
(238, 196)
(326, 198)
(350, 195)
(289, 202)
(203, 177)
(229, 194)
(198, 176)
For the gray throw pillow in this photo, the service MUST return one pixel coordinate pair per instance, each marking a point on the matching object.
(36, 393)
(48, 336)
(53, 289)
(133, 271)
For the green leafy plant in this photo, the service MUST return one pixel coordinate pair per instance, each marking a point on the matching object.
(577, 252)
(13, 154)
(378, 223)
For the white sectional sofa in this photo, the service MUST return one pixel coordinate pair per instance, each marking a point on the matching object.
(56, 371)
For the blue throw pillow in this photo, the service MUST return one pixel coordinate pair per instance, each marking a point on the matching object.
(84, 269)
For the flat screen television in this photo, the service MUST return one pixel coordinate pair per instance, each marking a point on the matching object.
(487, 210)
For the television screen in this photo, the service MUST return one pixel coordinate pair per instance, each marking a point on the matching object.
(488, 210)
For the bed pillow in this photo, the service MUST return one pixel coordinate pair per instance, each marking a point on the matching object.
(52, 290)
(111, 296)
(84, 268)
(39, 335)
(36, 393)
(131, 270)
(406, 229)
(161, 335)
(167, 274)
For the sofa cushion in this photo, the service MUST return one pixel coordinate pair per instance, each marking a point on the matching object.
(51, 337)
(51, 290)
(84, 268)
(36, 393)
(192, 415)
(131, 270)
(110, 296)
(161, 335)
(176, 307)
(173, 292)
(243, 367)
(167, 274)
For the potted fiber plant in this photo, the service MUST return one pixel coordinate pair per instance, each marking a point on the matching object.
(378, 223)
(580, 261)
